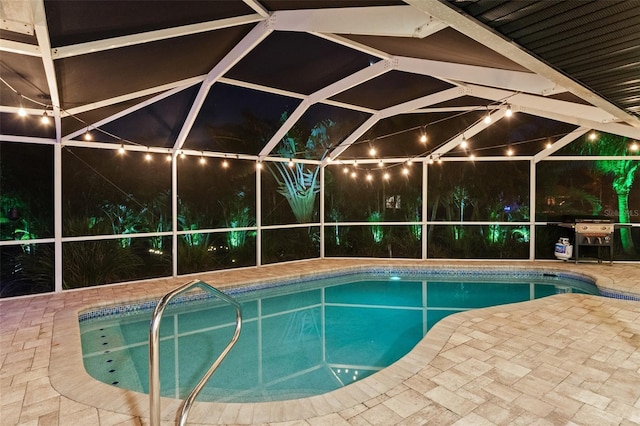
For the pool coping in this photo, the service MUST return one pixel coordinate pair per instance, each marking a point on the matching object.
(70, 379)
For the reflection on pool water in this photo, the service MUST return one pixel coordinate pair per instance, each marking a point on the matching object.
(297, 340)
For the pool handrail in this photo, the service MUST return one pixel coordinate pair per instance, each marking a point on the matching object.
(154, 352)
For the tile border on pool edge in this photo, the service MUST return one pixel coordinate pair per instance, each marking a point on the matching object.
(133, 308)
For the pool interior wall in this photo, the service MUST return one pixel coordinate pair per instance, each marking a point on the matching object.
(331, 331)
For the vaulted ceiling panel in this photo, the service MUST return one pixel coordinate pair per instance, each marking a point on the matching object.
(392, 88)
(89, 78)
(298, 62)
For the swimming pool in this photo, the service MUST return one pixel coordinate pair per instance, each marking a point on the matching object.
(299, 339)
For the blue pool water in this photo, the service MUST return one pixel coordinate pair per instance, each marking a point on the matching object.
(297, 340)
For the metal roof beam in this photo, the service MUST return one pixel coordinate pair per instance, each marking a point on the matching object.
(504, 79)
(150, 36)
(19, 48)
(360, 20)
(560, 143)
(524, 101)
(42, 35)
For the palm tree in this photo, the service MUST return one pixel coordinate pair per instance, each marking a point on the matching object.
(623, 173)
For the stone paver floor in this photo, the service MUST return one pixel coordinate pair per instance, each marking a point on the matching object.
(565, 359)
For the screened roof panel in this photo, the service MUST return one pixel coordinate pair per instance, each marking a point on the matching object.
(156, 125)
(298, 62)
(89, 78)
(390, 89)
(235, 119)
(446, 45)
(83, 120)
(26, 75)
(316, 4)
(73, 22)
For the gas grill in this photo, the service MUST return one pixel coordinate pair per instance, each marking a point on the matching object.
(594, 233)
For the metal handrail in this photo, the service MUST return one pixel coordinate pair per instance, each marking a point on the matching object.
(154, 352)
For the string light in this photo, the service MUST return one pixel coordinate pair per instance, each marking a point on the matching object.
(202, 159)
(147, 156)
(45, 118)
(369, 177)
(439, 160)
(430, 160)
(549, 144)
(592, 136)
(508, 112)
(345, 170)
(22, 112)
(259, 165)
(487, 118)
(87, 135)
(380, 163)
(121, 150)
(634, 147)
(290, 164)
(424, 138)
(182, 154)
(372, 152)
(168, 157)
(225, 164)
(386, 176)
(354, 174)
(464, 143)
(509, 151)
(472, 156)
(405, 171)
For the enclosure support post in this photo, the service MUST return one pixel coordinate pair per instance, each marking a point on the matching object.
(322, 169)
(532, 210)
(425, 179)
(258, 216)
(174, 213)
(57, 216)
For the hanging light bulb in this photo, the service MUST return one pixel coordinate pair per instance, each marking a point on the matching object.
(87, 135)
(424, 138)
(372, 152)
(380, 163)
(202, 159)
(354, 174)
(405, 171)
(182, 154)
(472, 156)
(386, 176)
(439, 160)
(290, 163)
(22, 112)
(409, 162)
(592, 136)
(487, 118)
(369, 177)
(45, 118)
(345, 170)
(168, 157)
(225, 164)
(121, 149)
(634, 147)
(549, 144)
(259, 165)
(464, 143)
(147, 156)
(430, 160)
(508, 112)
(509, 151)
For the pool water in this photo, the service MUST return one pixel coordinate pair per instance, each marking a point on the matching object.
(297, 340)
